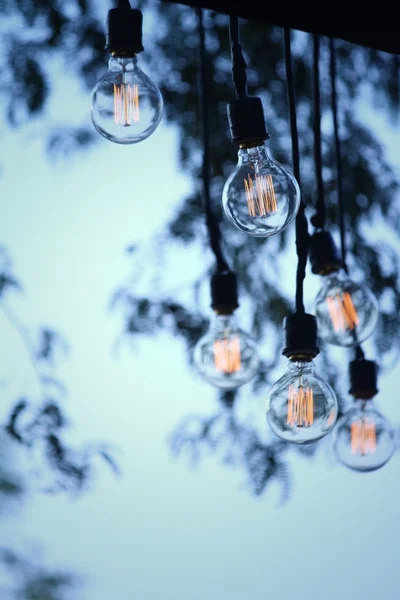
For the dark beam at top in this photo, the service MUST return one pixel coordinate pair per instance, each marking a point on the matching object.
(371, 23)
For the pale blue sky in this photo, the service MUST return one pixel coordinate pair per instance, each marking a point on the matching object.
(163, 531)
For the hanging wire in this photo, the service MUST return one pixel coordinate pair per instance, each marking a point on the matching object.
(359, 353)
(301, 220)
(338, 153)
(319, 219)
(214, 233)
(239, 65)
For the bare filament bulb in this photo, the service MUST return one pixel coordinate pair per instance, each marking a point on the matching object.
(300, 406)
(126, 104)
(363, 437)
(260, 197)
(260, 194)
(346, 311)
(364, 440)
(227, 355)
(342, 311)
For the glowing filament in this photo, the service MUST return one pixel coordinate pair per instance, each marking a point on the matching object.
(227, 355)
(126, 104)
(300, 407)
(363, 437)
(261, 199)
(342, 311)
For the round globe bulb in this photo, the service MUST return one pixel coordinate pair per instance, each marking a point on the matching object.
(260, 197)
(226, 356)
(364, 440)
(125, 105)
(346, 312)
(302, 407)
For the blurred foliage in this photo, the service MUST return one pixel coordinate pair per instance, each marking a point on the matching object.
(34, 582)
(73, 32)
(38, 420)
(11, 485)
(23, 578)
(236, 444)
(35, 423)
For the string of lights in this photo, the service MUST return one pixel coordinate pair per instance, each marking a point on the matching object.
(302, 407)
(346, 311)
(226, 356)
(364, 440)
(262, 198)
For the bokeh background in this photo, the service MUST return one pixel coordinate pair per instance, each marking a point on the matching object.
(123, 474)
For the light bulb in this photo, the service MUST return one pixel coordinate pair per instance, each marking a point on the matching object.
(346, 311)
(260, 197)
(125, 105)
(364, 440)
(226, 356)
(302, 407)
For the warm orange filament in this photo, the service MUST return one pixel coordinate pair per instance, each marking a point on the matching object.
(332, 418)
(342, 310)
(126, 104)
(300, 406)
(227, 355)
(261, 199)
(363, 437)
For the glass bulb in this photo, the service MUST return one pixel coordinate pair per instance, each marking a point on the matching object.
(260, 197)
(364, 440)
(125, 105)
(302, 407)
(346, 311)
(226, 356)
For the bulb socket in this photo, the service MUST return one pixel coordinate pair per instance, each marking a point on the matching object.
(246, 121)
(324, 255)
(363, 379)
(301, 339)
(124, 30)
(224, 292)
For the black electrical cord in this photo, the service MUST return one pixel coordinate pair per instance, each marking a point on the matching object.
(238, 63)
(214, 233)
(338, 153)
(301, 220)
(319, 219)
(359, 353)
